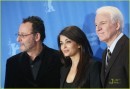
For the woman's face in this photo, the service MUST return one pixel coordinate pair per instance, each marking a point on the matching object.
(69, 47)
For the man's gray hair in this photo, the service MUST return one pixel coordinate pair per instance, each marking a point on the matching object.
(115, 13)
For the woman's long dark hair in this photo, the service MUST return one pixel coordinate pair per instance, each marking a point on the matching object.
(76, 34)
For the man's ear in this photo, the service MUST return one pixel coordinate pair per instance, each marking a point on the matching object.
(118, 25)
(37, 36)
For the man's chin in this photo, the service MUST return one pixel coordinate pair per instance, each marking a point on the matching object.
(101, 39)
(22, 50)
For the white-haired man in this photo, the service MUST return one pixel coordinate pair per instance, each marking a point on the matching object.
(115, 63)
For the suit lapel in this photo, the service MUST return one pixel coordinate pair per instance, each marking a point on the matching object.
(25, 66)
(115, 54)
(43, 68)
(64, 75)
(113, 58)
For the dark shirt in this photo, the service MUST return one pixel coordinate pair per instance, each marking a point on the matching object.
(35, 65)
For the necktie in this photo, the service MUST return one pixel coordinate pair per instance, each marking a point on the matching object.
(108, 57)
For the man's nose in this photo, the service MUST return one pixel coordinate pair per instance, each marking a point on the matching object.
(98, 28)
(18, 39)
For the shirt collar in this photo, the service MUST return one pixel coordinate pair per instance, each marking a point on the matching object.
(38, 57)
(111, 48)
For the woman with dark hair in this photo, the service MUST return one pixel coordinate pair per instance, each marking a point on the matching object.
(79, 70)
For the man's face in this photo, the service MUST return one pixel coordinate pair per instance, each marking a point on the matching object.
(26, 37)
(105, 28)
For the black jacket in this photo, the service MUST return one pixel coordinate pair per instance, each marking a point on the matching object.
(92, 76)
(117, 72)
(19, 74)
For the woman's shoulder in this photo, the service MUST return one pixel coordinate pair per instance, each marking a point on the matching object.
(95, 62)
(94, 74)
(95, 65)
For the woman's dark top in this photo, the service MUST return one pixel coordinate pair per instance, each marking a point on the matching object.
(92, 76)
(68, 85)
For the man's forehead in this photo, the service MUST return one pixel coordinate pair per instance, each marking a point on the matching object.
(25, 27)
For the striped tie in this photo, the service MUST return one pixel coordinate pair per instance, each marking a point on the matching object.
(108, 57)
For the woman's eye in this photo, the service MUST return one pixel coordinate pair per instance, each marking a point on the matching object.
(61, 43)
(68, 42)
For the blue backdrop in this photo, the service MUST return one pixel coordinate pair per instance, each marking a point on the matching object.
(56, 16)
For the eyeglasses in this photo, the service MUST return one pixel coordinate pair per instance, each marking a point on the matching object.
(23, 35)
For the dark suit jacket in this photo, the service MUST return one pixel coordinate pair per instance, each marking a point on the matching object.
(92, 75)
(19, 74)
(117, 73)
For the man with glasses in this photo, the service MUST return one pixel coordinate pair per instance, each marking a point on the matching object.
(37, 66)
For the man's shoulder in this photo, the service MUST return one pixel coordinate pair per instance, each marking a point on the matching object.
(15, 57)
(123, 43)
(51, 50)
(51, 54)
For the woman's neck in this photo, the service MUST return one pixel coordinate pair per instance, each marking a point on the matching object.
(75, 60)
